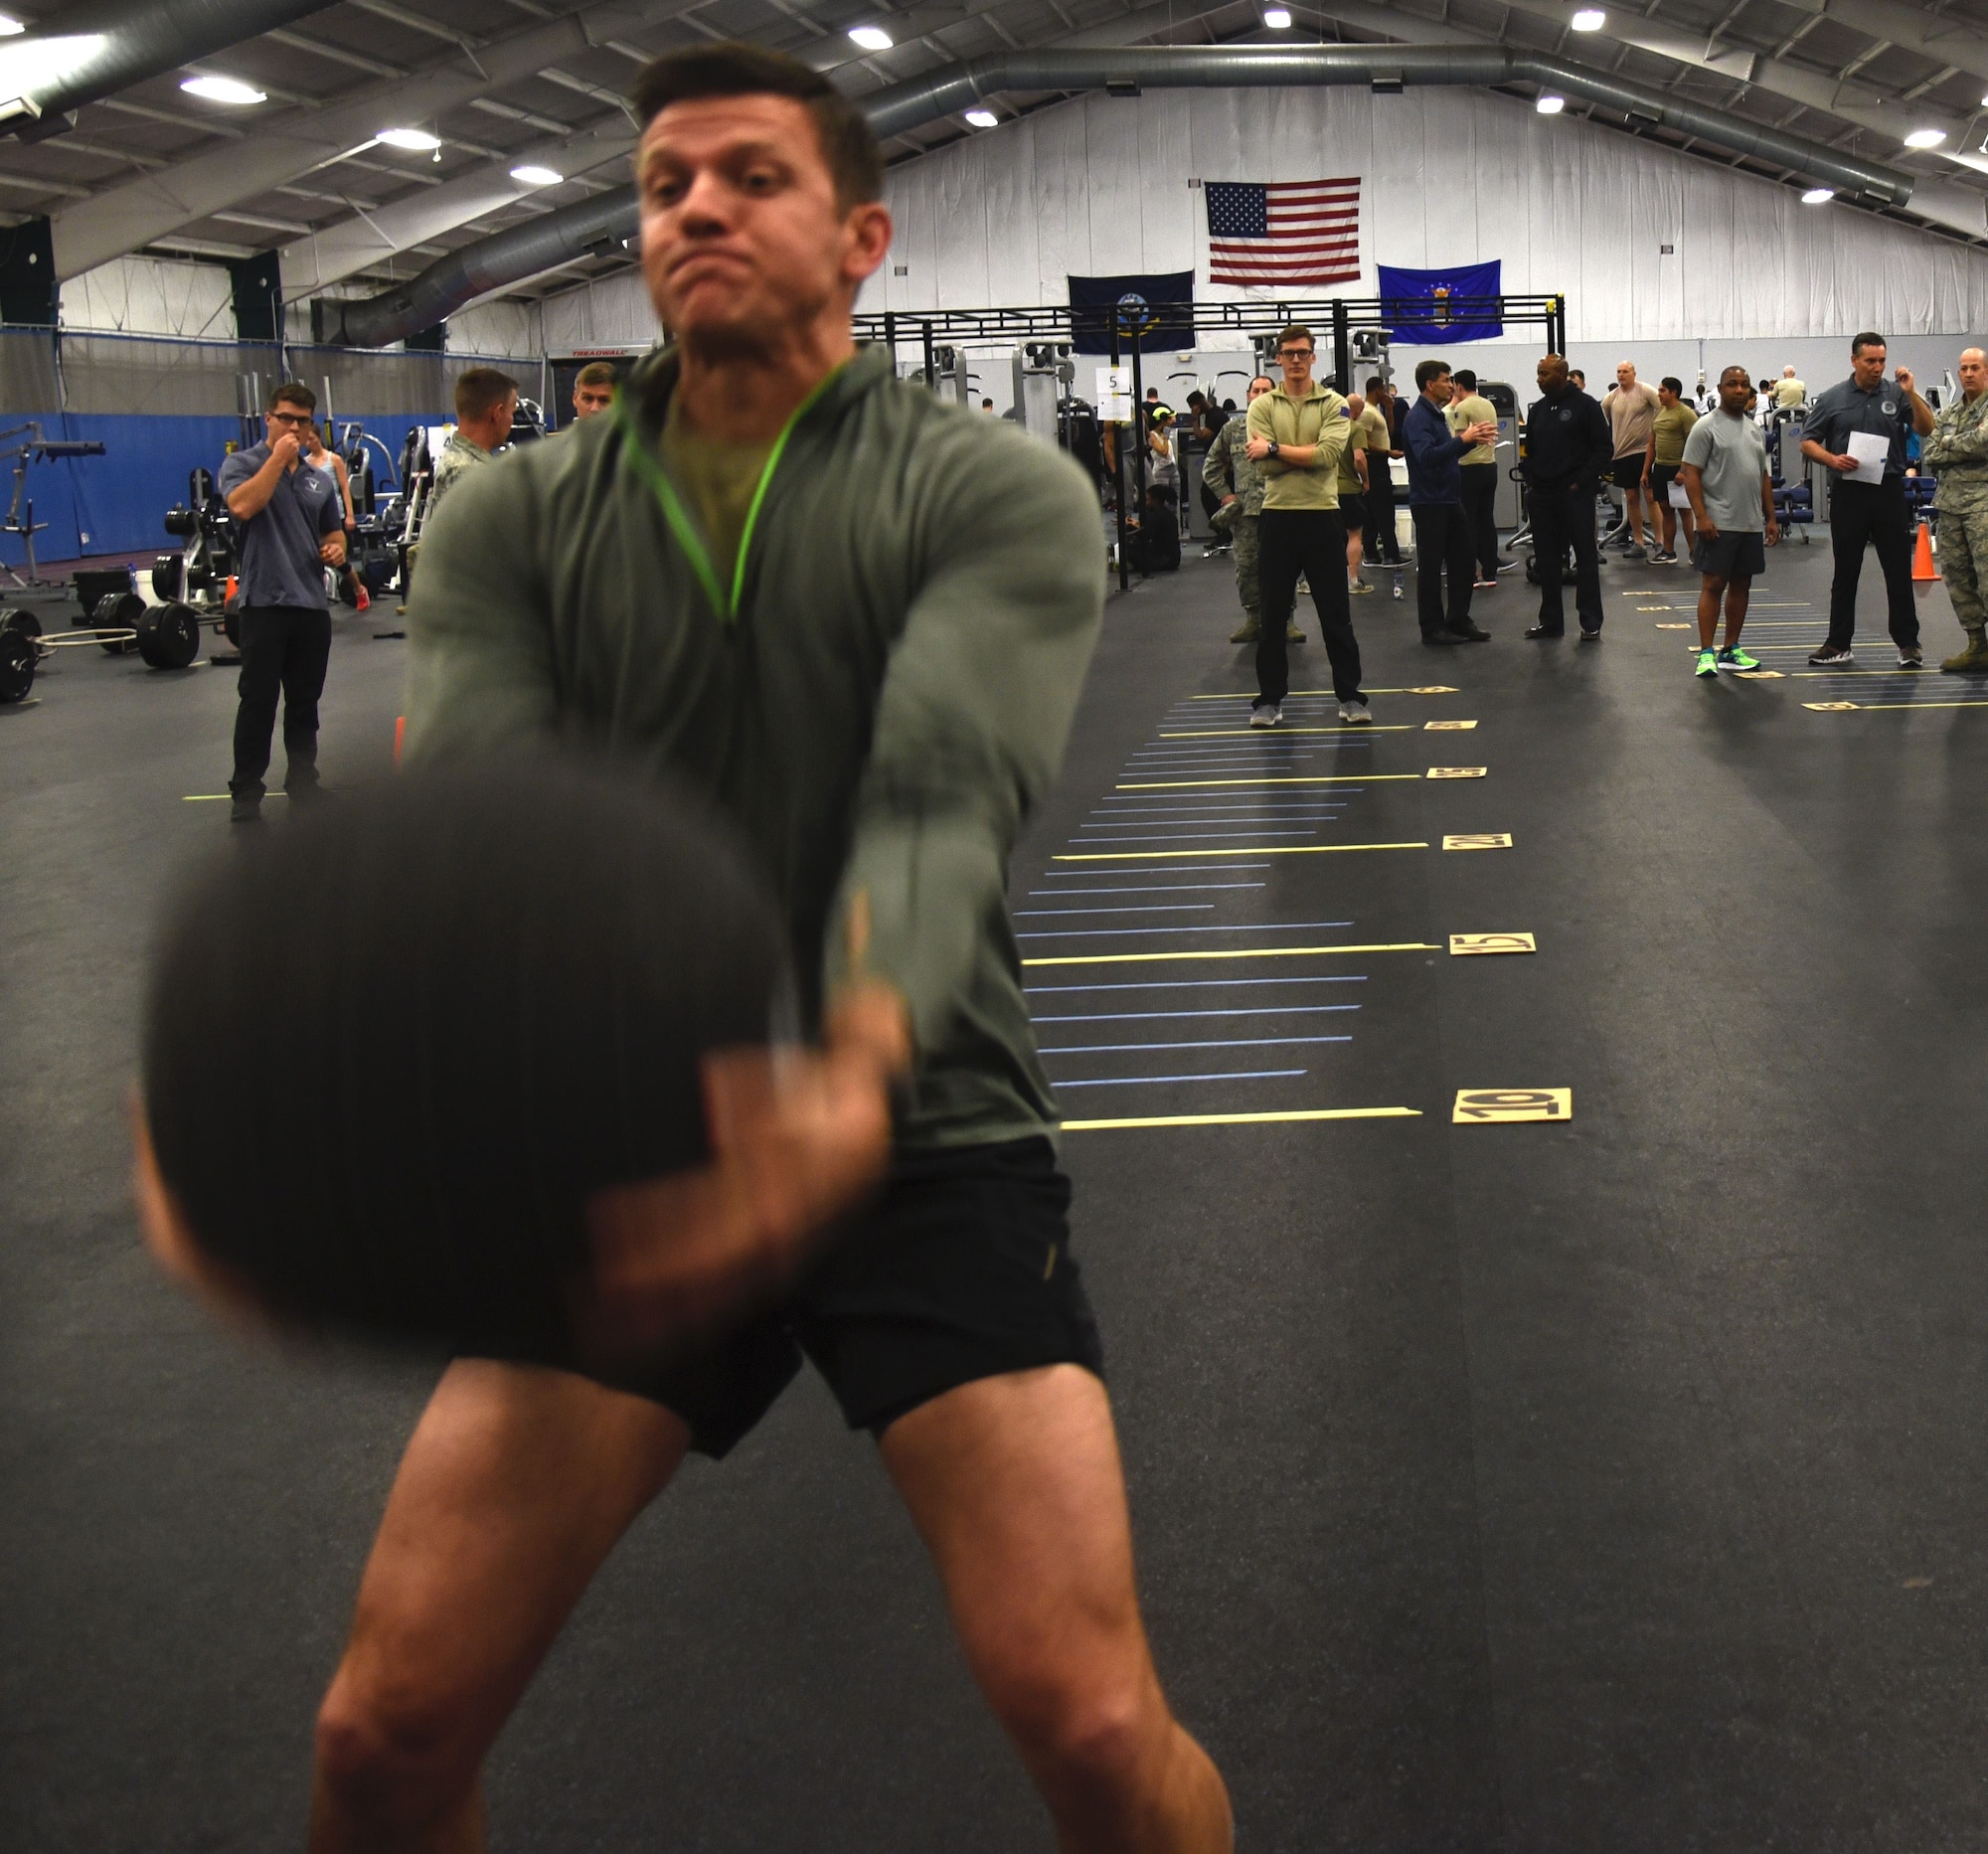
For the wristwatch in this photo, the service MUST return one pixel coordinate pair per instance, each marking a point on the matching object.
(1276, 449)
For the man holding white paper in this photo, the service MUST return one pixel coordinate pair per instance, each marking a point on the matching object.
(1858, 429)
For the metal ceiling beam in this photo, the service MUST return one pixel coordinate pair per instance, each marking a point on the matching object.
(561, 237)
(1957, 42)
(139, 212)
(89, 50)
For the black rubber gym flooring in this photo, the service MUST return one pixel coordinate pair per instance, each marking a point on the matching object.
(1611, 1485)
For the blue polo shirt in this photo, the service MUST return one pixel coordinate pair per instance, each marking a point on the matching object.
(279, 563)
(1883, 410)
(1434, 474)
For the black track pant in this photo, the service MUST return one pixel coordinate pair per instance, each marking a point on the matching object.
(1442, 541)
(1381, 541)
(1480, 496)
(1311, 542)
(1563, 517)
(284, 650)
(1873, 513)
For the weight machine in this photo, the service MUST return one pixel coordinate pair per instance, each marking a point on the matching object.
(24, 443)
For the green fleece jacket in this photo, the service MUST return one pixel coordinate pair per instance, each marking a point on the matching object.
(877, 698)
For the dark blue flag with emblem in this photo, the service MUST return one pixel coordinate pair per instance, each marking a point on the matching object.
(1145, 309)
(1431, 308)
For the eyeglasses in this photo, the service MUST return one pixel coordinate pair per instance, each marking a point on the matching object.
(1294, 354)
(291, 418)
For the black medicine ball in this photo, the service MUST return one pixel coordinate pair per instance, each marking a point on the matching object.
(393, 1046)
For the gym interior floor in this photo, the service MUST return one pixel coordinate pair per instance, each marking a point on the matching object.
(1613, 1485)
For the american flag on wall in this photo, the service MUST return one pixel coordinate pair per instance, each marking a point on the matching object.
(1283, 230)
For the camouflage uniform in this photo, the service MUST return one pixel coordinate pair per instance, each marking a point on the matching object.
(1957, 453)
(1230, 470)
(458, 455)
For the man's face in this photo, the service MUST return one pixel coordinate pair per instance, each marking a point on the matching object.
(1735, 392)
(1625, 375)
(1973, 370)
(742, 232)
(1295, 356)
(1867, 367)
(1440, 390)
(587, 400)
(1261, 385)
(1552, 376)
(284, 418)
(1665, 396)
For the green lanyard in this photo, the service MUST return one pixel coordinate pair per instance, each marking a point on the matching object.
(678, 517)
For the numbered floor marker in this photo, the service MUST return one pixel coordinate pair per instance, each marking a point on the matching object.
(1463, 772)
(1440, 726)
(1674, 627)
(1479, 840)
(1492, 942)
(1830, 708)
(1512, 1104)
(1434, 688)
(1761, 675)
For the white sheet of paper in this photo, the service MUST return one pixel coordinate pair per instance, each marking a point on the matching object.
(1678, 498)
(1870, 448)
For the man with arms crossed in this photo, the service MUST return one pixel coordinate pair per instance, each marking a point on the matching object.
(667, 583)
(1632, 407)
(1867, 514)
(1297, 432)
(1478, 470)
(1724, 474)
(1566, 447)
(1668, 432)
(1957, 453)
(292, 527)
(1436, 504)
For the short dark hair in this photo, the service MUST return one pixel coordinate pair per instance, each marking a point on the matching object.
(1867, 339)
(1429, 370)
(596, 374)
(1196, 398)
(1373, 381)
(1465, 377)
(1744, 372)
(1298, 332)
(294, 393)
(848, 143)
(480, 390)
(1674, 382)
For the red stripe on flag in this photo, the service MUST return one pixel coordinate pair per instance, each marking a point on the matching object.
(1283, 253)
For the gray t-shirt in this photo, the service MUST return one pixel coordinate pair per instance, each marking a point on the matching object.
(280, 557)
(1733, 459)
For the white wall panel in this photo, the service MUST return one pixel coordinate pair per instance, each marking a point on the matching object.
(1099, 186)
(151, 296)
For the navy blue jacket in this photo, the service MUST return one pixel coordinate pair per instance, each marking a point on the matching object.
(1434, 472)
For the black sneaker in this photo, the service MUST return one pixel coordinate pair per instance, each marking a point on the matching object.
(1472, 634)
(245, 811)
(1831, 658)
(1539, 630)
(1591, 638)
(1911, 657)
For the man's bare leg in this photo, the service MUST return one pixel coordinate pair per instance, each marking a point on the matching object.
(1711, 589)
(514, 1488)
(1016, 1485)
(1737, 592)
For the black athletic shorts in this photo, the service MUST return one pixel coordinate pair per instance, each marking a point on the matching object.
(1352, 510)
(1662, 476)
(1741, 556)
(1628, 472)
(960, 1271)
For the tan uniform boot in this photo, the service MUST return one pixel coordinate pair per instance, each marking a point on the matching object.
(1294, 635)
(1252, 630)
(1974, 657)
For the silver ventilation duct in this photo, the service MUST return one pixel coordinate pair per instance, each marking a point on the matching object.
(560, 236)
(85, 52)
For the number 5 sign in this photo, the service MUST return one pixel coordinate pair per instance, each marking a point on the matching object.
(1512, 1104)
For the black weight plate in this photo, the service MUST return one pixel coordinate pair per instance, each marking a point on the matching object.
(166, 576)
(18, 618)
(118, 612)
(169, 636)
(17, 665)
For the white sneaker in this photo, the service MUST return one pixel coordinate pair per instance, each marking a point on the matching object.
(1354, 714)
(1270, 715)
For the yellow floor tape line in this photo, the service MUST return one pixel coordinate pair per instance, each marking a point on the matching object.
(1241, 734)
(1246, 1119)
(1237, 953)
(1244, 695)
(1268, 849)
(1322, 778)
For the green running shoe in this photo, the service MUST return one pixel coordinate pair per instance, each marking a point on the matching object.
(1737, 659)
(1708, 663)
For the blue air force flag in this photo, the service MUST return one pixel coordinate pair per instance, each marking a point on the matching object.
(1155, 311)
(1432, 308)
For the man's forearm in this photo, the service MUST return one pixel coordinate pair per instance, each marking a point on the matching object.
(247, 500)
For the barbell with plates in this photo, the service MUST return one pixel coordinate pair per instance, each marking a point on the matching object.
(120, 613)
(18, 657)
(169, 635)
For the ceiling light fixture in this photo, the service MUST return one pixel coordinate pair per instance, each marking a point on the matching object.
(1818, 196)
(1926, 138)
(9, 26)
(535, 176)
(984, 118)
(224, 90)
(416, 142)
(1548, 106)
(872, 38)
(1589, 19)
(1277, 18)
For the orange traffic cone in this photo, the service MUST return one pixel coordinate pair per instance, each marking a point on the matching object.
(1922, 566)
(399, 738)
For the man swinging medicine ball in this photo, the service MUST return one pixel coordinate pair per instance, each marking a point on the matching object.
(858, 621)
